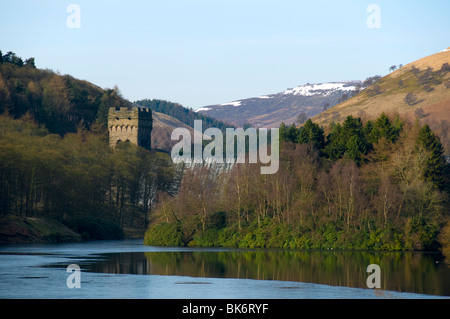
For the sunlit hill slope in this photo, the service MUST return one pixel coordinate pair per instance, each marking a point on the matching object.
(417, 91)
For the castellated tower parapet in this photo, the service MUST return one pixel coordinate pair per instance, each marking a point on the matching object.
(130, 125)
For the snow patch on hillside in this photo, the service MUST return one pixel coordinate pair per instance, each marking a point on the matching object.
(203, 109)
(321, 88)
(235, 103)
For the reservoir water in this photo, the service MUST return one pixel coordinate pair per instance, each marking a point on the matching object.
(129, 269)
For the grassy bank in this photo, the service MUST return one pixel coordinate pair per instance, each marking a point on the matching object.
(46, 230)
(35, 230)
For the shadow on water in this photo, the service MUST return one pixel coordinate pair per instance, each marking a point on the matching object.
(400, 271)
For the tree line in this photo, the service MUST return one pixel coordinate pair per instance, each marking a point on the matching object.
(78, 176)
(374, 185)
(12, 58)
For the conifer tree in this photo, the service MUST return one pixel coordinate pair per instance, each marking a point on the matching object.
(336, 144)
(312, 132)
(435, 162)
(292, 133)
(282, 132)
(386, 129)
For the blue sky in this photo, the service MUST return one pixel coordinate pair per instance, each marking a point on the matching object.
(215, 51)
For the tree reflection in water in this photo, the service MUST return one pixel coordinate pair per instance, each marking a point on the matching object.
(400, 271)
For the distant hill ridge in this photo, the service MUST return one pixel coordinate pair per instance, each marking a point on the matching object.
(294, 105)
(181, 113)
(168, 116)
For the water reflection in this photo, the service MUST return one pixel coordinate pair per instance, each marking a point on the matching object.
(404, 272)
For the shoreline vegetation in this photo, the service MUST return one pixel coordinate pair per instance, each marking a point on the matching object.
(379, 185)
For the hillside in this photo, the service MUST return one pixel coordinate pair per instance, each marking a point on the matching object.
(32, 229)
(163, 125)
(183, 114)
(293, 105)
(168, 116)
(60, 102)
(426, 82)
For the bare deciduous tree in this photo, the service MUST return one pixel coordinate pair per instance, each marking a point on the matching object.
(199, 193)
(420, 113)
(428, 88)
(415, 71)
(387, 197)
(302, 118)
(411, 99)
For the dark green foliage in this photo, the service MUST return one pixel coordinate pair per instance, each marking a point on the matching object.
(13, 59)
(420, 235)
(292, 133)
(289, 133)
(336, 145)
(356, 147)
(30, 63)
(218, 220)
(308, 133)
(312, 133)
(166, 234)
(283, 132)
(352, 139)
(384, 128)
(435, 162)
(95, 228)
(348, 140)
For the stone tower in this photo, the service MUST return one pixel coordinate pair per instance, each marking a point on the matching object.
(130, 125)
